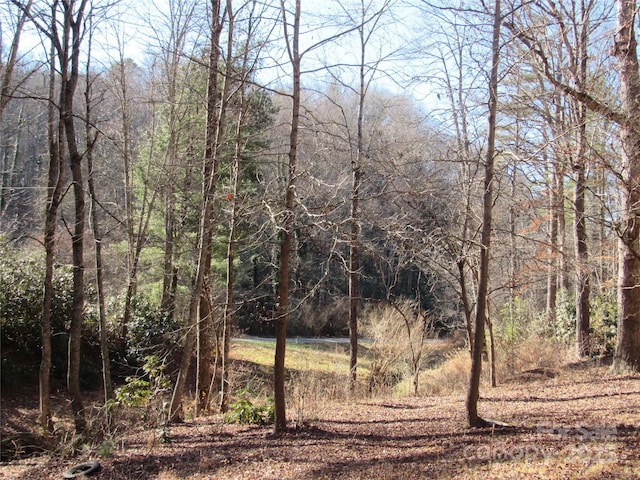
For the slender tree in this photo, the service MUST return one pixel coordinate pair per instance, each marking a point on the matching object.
(210, 173)
(65, 28)
(55, 184)
(366, 26)
(241, 79)
(292, 38)
(473, 393)
(91, 137)
(69, 51)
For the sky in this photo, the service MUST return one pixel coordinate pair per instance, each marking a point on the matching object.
(140, 27)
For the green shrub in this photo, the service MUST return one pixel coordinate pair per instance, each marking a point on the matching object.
(514, 322)
(604, 324)
(21, 285)
(244, 411)
(150, 332)
(564, 328)
(139, 391)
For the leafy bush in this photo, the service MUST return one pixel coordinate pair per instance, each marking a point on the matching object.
(149, 392)
(604, 324)
(150, 331)
(603, 321)
(21, 283)
(564, 328)
(244, 411)
(138, 391)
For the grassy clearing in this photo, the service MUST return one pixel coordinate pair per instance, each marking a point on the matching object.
(328, 358)
(316, 372)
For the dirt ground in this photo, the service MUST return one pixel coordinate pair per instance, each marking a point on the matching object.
(581, 422)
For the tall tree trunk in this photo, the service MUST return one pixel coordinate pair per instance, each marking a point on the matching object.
(230, 283)
(168, 300)
(73, 24)
(627, 354)
(90, 139)
(473, 393)
(236, 168)
(205, 352)
(464, 295)
(493, 374)
(354, 241)
(55, 183)
(205, 231)
(132, 263)
(583, 287)
(552, 267)
(204, 349)
(563, 281)
(287, 226)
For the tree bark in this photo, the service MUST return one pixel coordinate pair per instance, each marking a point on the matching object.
(73, 24)
(473, 393)
(90, 139)
(583, 287)
(627, 354)
(354, 241)
(55, 183)
(280, 424)
(205, 231)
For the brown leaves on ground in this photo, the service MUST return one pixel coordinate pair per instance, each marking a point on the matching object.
(583, 423)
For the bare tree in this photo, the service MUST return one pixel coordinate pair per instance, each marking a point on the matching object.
(65, 28)
(627, 117)
(209, 183)
(366, 25)
(292, 39)
(91, 136)
(55, 184)
(473, 393)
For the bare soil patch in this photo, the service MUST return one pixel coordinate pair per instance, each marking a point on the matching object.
(583, 422)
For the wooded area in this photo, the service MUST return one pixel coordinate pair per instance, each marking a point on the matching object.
(178, 174)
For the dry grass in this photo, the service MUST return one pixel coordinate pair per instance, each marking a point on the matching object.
(530, 354)
(533, 356)
(452, 376)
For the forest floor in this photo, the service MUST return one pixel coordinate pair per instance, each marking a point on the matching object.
(580, 421)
